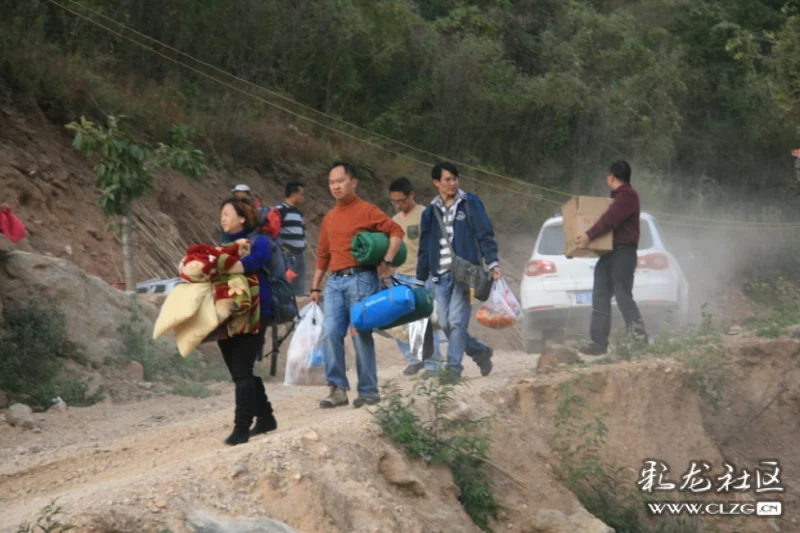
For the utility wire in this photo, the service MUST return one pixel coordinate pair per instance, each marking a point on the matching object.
(712, 222)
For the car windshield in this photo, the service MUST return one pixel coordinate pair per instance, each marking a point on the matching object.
(551, 241)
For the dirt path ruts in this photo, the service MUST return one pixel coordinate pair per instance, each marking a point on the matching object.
(101, 451)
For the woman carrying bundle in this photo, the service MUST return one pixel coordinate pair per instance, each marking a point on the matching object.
(239, 220)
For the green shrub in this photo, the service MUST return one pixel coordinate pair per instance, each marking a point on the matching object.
(459, 445)
(33, 350)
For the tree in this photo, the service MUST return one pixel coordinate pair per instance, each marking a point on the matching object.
(124, 170)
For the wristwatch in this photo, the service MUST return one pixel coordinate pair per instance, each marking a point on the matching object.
(387, 261)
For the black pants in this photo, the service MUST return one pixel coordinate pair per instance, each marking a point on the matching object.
(613, 276)
(240, 353)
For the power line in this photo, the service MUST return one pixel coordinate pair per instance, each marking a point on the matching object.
(277, 106)
(729, 223)
(321, 113)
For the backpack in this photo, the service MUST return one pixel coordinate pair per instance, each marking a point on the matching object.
(284, 303)
(269, 221)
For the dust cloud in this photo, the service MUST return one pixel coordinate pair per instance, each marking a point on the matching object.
(721, 258)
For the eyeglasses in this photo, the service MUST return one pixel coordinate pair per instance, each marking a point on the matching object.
(399, 202)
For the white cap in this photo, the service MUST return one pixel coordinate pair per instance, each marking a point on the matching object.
(241, 188)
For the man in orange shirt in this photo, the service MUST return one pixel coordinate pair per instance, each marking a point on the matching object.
(349, 283)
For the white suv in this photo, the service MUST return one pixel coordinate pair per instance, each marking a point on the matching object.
(556, 292)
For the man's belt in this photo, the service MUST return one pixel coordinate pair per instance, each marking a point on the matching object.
(353, 270)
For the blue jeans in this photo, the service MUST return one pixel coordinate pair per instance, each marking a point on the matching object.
(433, 362)
(341, 293)
(454, 311)
(297, 262)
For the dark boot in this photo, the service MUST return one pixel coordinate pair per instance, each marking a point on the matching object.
(238, 436)
(265, 419)
(243, 418)
(485, 363)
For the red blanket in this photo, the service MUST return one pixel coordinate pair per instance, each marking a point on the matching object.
(235, 295)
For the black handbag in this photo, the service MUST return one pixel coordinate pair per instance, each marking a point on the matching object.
(465, 273)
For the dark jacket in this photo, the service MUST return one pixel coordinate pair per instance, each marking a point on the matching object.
(621, 217)
(463, 241)
(255, 262)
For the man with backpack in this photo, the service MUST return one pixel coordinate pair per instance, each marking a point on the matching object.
(456, 237)
(269, 219)
(243, 192)
(292, 236)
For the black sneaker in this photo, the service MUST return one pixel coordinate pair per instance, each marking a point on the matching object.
(592, 349)
(370, 400)
(413, 369)
(486, 364)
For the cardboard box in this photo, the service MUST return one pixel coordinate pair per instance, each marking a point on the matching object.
(580, 213)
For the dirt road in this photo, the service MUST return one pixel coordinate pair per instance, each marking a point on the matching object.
(140, 454)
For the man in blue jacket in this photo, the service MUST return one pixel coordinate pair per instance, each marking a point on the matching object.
(466, 223)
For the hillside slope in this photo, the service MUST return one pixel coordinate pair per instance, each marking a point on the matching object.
(51, 188)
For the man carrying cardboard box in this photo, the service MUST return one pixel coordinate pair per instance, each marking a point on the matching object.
(613, 273)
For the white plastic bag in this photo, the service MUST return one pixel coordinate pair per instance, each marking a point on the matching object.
(501, 310)
(418, 335)
(420, 339)
(305, 361)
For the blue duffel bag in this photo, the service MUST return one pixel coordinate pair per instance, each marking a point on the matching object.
(382, 308)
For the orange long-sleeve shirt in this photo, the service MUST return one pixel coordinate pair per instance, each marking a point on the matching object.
(340, 225)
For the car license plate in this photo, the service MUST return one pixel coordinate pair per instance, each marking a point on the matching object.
(584, 297)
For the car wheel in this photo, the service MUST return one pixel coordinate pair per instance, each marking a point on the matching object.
(534, 346)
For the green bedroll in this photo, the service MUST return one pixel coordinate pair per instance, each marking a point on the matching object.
(369, 248)
(423, 307)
